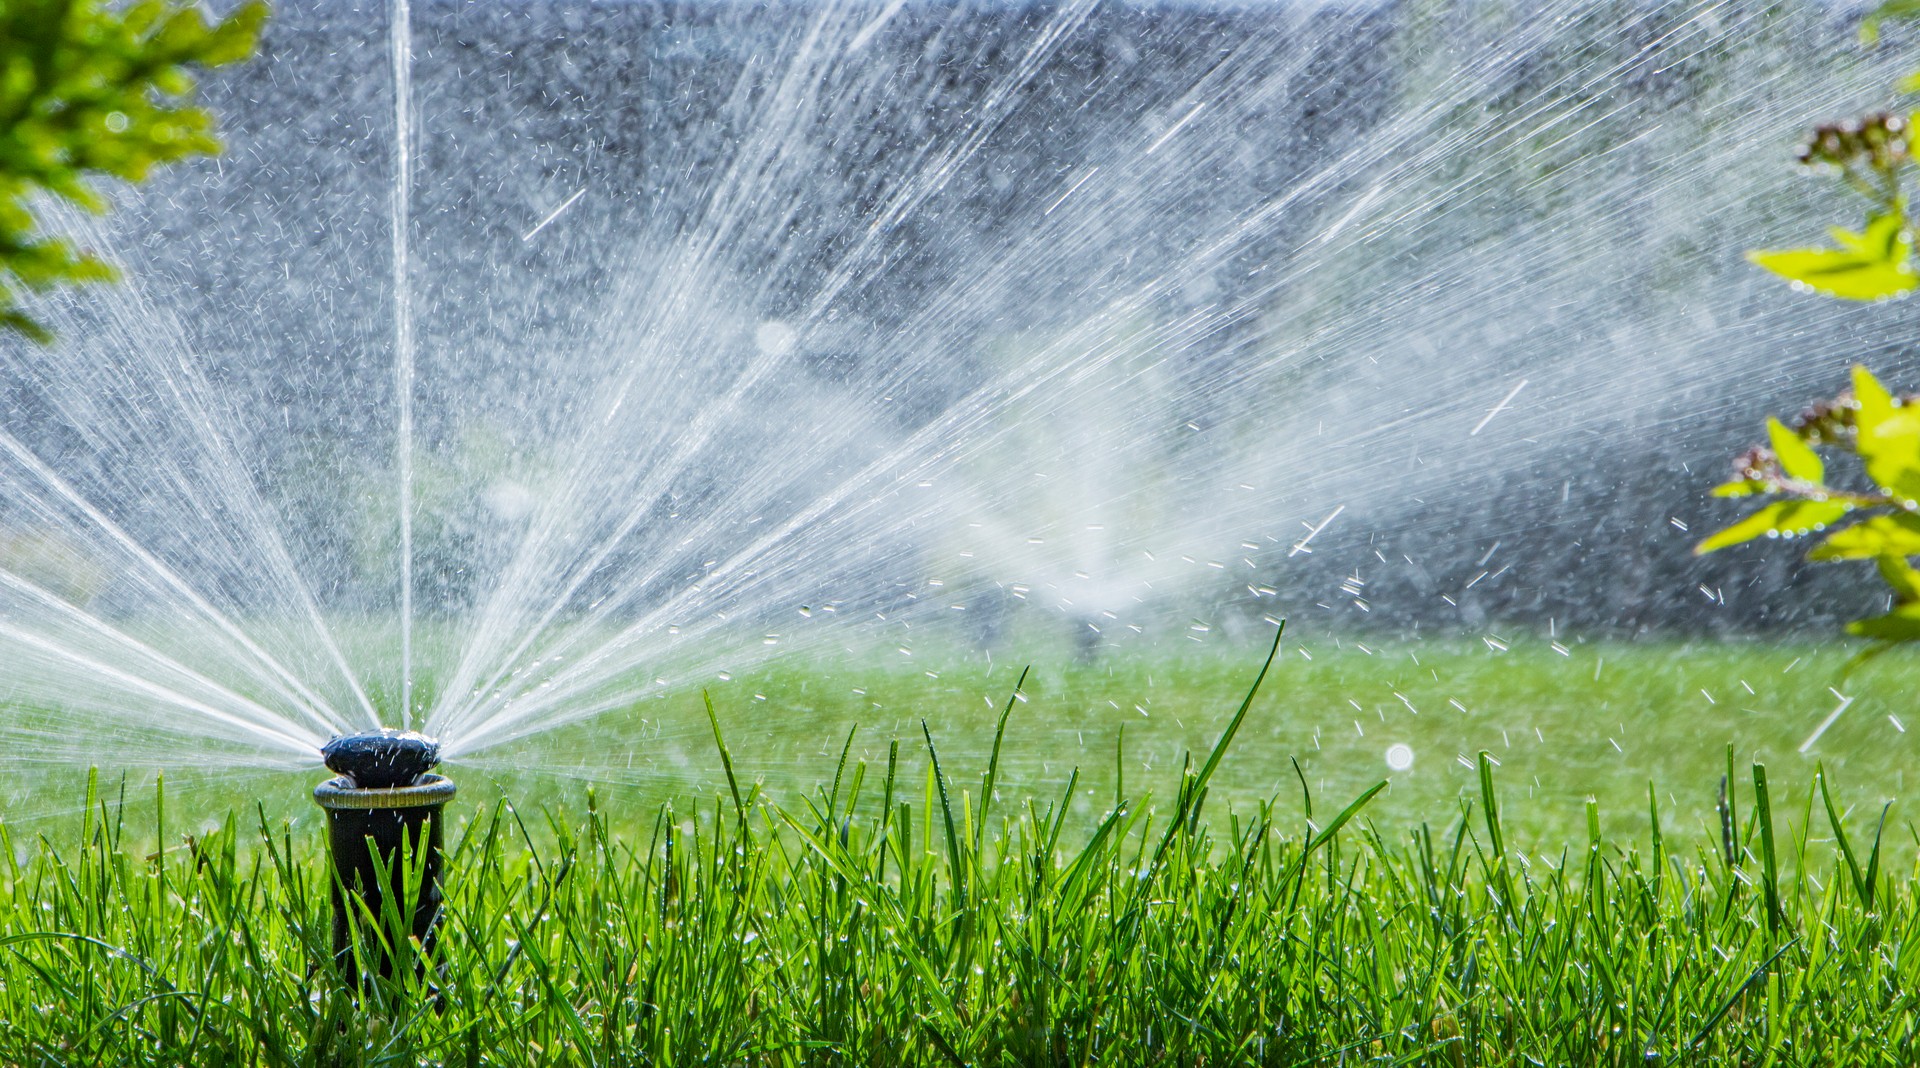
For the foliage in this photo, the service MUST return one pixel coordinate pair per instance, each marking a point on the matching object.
(1871, 156)
(1881, 523)
(89, 90)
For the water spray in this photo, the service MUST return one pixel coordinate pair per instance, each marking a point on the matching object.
(383, 821)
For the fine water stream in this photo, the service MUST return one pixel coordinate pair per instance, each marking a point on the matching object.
(526, 367)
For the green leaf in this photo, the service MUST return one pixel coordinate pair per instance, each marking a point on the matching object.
(232, 41)
(1875, 402)
(1797, 458)
(1884, 240)
(1901, 576)
(1891, 9)
(1740, 487)
(93, 90)
(1887, 438)
(1883, 535)
(1838, 274)
(1900, 625)
(1783, 517)
(1868, 265)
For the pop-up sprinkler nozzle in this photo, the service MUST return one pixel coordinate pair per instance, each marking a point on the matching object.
(383, 821)
(382, 759)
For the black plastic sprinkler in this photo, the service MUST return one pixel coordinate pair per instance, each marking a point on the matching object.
(383, 821)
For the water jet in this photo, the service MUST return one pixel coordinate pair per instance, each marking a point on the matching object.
(662, 339)
(384, 835)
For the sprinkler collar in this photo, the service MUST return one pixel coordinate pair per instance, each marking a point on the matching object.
(341, 794)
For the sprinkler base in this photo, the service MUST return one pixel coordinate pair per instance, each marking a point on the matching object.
(386, 844)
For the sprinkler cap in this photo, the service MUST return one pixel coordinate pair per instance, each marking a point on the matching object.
(382, 759)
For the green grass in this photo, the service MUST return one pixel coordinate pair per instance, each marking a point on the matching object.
(904, 912)
(1603, 720)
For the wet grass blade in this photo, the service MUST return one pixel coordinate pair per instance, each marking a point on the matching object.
(1193, 789)
(956, 862)
(1770, 868)
(1862, 880)
(993, 761)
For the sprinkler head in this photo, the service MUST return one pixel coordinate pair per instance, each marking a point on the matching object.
(382, 759)
(384, 829)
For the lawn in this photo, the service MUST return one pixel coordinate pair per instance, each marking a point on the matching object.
(1563, 720)
(806, 909)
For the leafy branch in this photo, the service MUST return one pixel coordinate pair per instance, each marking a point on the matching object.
(1871, 156)
(1880, 522)
(90, 91)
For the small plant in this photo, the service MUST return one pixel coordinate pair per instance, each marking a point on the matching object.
(1876, 514)
(1879, 522)
(89, 90)
(1871, 155)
